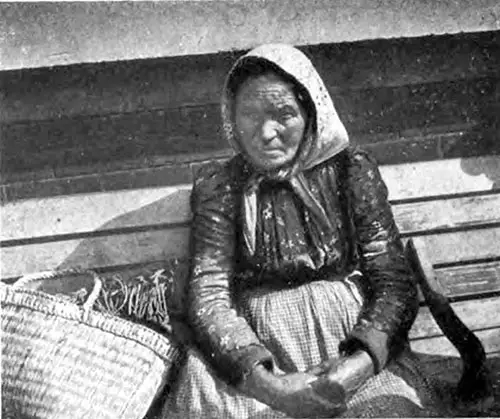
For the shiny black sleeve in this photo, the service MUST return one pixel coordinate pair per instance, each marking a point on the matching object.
(393, 302)
(226, 339)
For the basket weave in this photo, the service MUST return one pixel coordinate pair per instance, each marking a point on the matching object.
(63, 360)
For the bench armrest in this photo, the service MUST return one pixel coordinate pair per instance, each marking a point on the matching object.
(475, 383)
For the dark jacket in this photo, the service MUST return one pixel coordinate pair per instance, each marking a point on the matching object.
(292, 250)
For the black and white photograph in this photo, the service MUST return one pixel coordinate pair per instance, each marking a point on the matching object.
(250, 209)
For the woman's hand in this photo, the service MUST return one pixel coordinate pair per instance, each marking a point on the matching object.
(292, 394)
(325, 366)
(297, 397)
(343, 375)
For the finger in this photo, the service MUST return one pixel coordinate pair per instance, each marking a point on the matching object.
(278, 371)
(318, 369)
(322, 367)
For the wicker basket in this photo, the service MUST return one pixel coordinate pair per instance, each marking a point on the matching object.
(63, 360)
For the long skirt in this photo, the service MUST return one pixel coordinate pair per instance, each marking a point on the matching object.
(302, 327)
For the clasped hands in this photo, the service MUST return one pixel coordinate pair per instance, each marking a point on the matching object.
(321, 391)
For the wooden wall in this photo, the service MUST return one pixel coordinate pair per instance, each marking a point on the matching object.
(71, 129)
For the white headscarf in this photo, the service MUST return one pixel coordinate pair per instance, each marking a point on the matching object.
(320, 144)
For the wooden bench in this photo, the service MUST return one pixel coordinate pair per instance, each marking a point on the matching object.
(460, 292)
(448, 212)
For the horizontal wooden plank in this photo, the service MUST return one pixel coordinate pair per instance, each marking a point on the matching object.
(90, 140)
(119, 87)
(367, 114)
(468, 280)
(172, 82)
(469, 142)
(456, 247)
(434, 178)
(416, 106)
(165, 175)
(129, 208)
(132, 29)
(98, 250)
(476, 314)
(84, 213)
(372, 110)
(449, 213)
(95, 252)
(490, 339)
(139, 247)
(406, 147)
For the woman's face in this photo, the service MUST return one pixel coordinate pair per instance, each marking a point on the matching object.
(269, 120)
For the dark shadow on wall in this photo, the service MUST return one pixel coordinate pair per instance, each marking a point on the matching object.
(485, 165)
(155, 232)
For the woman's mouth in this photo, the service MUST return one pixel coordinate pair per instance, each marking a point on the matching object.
(272, 151)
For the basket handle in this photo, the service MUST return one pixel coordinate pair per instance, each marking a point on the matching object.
(87, 305)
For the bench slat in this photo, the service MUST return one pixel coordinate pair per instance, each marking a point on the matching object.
(455, 247)
(170, 205)
(469, 280)
(476, 314)
(96, 252)
(433, 178)
(85, 213)
(447, 213)
(490, 338)
(143, 246)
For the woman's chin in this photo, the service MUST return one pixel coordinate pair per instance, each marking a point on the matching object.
(271, 161)
(272, 164)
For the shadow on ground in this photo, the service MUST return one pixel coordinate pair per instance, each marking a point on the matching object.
(445, 374)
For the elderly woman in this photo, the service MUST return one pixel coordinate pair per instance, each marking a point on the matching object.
(300, 297)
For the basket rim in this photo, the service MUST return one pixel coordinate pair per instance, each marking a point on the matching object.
(53, 305)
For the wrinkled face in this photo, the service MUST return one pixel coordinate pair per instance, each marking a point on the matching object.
(270, 121)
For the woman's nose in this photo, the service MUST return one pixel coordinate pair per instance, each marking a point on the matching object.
(270, 130)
